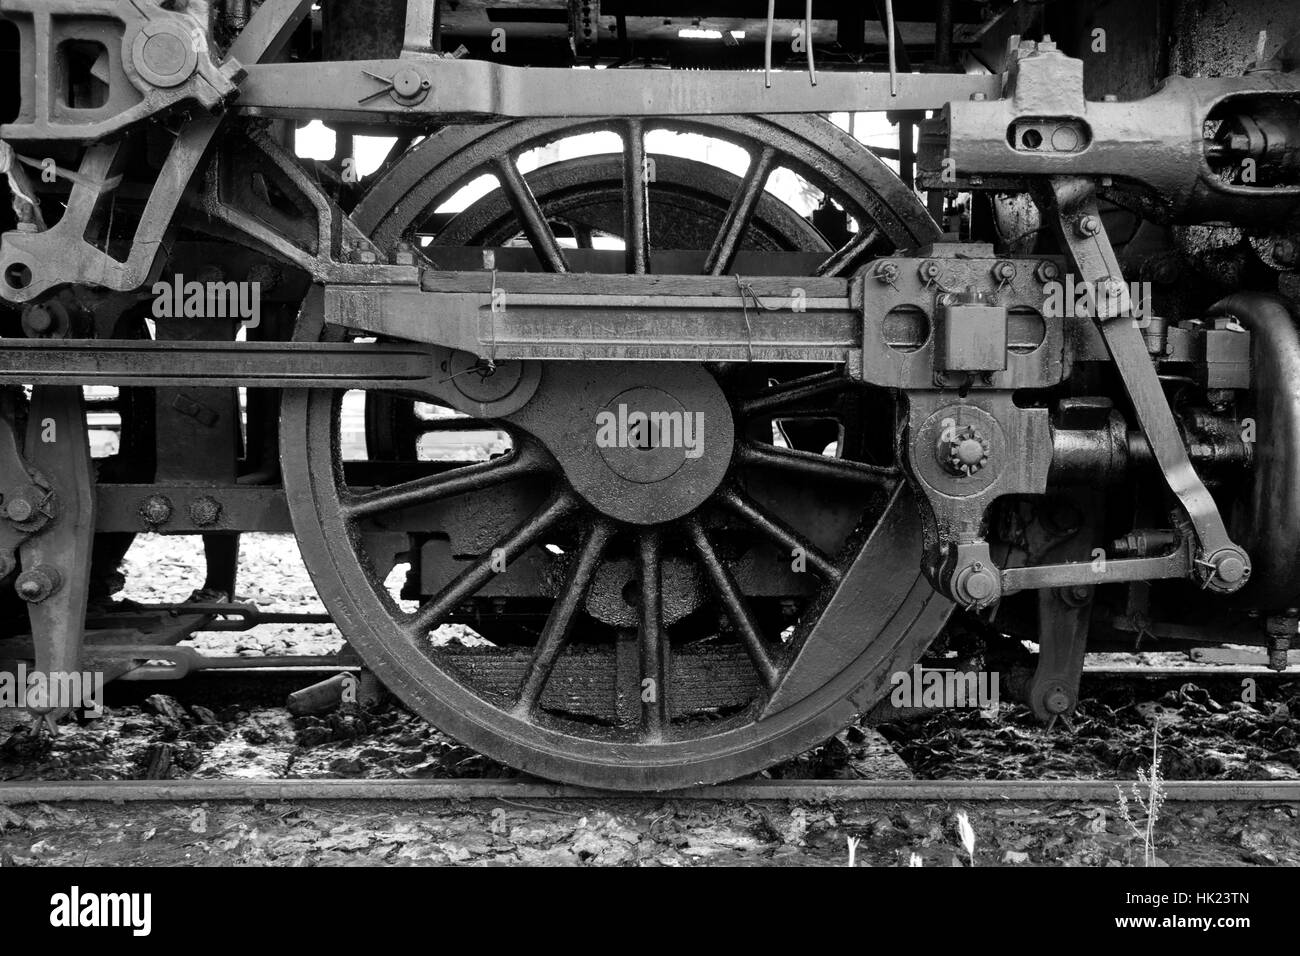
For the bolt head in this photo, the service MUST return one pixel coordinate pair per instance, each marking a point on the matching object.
(205, 511)
(1057, 701)
(1231, 569)
(409, 82)
(979, 584)
(39, 320)
(1048, 271)
(19, 508)
(156, 509)
(36, 584)
(1088, 225)
(1284, 251)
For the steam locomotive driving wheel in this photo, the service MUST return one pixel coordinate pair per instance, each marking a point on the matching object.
(663, 573)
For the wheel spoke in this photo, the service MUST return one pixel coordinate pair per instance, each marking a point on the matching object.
(814, 465)
(797, 390)
(523, 460)
(636, 199)
(739, 213)
(842, 259)
(653, 643)
(530, 214)
(474, 577)
(734, 602)
(780, 532)
(559, 623)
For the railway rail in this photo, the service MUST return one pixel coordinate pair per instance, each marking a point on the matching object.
(886, 791)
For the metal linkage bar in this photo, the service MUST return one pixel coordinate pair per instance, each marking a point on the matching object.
(1088, 573)
(687, 318)
(217, 364)
(475, 90)
(1220, 563)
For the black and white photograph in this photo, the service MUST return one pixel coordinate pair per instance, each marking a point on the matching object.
(650, 435)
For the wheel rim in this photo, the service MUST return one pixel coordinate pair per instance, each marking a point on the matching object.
(793, 706)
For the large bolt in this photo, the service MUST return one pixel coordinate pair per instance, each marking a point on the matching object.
(156, 509)
(38, 321)
(1230, 569)
(1047, 271)
(205, 511)
(1281, 630)
(409, 83)
(976, 585)
(1088, 226)
(965, 453)
(18, 508)
(887, 272)
(1057, 700)
(38, 583)
(1004, 271)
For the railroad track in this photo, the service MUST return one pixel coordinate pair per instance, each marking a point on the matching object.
(811, 791)
(327, 665)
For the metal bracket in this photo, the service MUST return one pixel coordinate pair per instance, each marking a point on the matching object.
(55, 580)
(33, 263)
(1220, 564)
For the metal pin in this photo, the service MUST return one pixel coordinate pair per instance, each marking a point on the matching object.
(767, 44)
(807, 40)
(893, 62)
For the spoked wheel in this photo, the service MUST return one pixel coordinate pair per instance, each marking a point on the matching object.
(657, 613)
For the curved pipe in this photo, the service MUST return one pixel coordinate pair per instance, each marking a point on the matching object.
(1270, 531)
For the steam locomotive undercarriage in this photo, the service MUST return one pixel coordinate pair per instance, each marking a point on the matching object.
(694, 471)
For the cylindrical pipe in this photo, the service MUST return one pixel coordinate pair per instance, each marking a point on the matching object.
(1270, 526)
(943, 35)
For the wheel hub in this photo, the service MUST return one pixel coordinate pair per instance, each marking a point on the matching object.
(636, 452)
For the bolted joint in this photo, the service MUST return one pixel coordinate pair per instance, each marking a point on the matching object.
(929, 271)
(205, 511)
(887, 272)
(156, 510)
(1227, 570)
(1281, 630)
(1088, 226)
(976, 585)
(1047, 271)
(1057, 699)
(28, 508)
(965, 453)
(38, 583)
